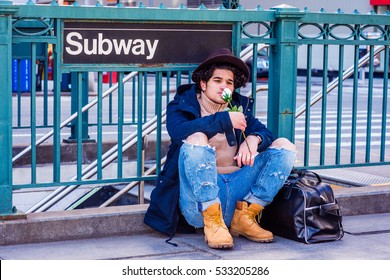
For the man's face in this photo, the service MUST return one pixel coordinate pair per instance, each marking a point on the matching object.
(214, 87)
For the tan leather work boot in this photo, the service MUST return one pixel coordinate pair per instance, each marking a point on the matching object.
(217, 235)
(244, 223)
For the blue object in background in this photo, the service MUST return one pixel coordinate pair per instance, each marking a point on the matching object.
(66, 82)
(21, 75)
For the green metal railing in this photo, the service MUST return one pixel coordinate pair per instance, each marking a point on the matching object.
(347, 37)
(133, 108)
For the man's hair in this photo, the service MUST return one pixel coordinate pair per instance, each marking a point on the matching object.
(206, 73)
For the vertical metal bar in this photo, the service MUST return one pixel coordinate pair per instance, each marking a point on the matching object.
(85, 94)
(308, 107)
(139, 125)
(354, 104)
(33, 115)
(75, 80)
(254, 76)
(369, 104)
(120, 124)
(44, 85)
(324, 104)
(145, 96)
(141, 185)
(79, 125)
(384, 104)
(339, 104)
(236, 38)
(159, 123)
(99, 138)
(236, 43)
(73, 104)
(168, 89)
(133, 101)
(178, 79)
(56, 52)
(6, 112)
(110, 111)
(168, 73)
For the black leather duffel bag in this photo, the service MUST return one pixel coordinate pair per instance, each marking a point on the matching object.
(304, 210)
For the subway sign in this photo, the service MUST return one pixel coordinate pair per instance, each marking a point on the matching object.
(147, 44)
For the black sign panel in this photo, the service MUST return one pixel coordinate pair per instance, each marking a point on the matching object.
(141, 43)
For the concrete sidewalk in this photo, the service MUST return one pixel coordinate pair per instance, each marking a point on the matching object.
(118, 232)
(367, 237)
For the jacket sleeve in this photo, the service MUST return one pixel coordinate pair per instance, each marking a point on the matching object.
(183, 123)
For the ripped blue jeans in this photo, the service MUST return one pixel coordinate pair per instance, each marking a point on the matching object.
(201, 186)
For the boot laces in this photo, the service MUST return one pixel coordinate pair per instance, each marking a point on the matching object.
(254, 216)
(216, 219)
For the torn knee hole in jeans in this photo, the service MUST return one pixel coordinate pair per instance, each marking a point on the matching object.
(283, 148)
(204, 166)
(198, 145)
(206, 184)
(280, 175)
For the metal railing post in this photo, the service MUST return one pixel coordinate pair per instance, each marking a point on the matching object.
(74, 105)
(6, 12)
(283, 74)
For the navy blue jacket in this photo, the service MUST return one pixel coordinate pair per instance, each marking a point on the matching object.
(184, 119)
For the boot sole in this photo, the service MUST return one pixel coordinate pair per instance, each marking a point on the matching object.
(261, 240)
(219, 245)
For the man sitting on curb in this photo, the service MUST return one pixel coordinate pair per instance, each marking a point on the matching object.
(223, 166)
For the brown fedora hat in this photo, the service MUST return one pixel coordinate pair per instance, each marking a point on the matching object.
(222, 55)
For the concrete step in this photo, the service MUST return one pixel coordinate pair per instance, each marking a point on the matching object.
(363, 200)
(75, 224)
(360, 190)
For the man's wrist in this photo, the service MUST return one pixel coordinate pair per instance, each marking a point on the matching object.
(258, 138)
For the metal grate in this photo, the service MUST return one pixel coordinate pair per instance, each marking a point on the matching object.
(353, 178)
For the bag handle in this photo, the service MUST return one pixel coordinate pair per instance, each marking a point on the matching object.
(297, 175)
(302, 173)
